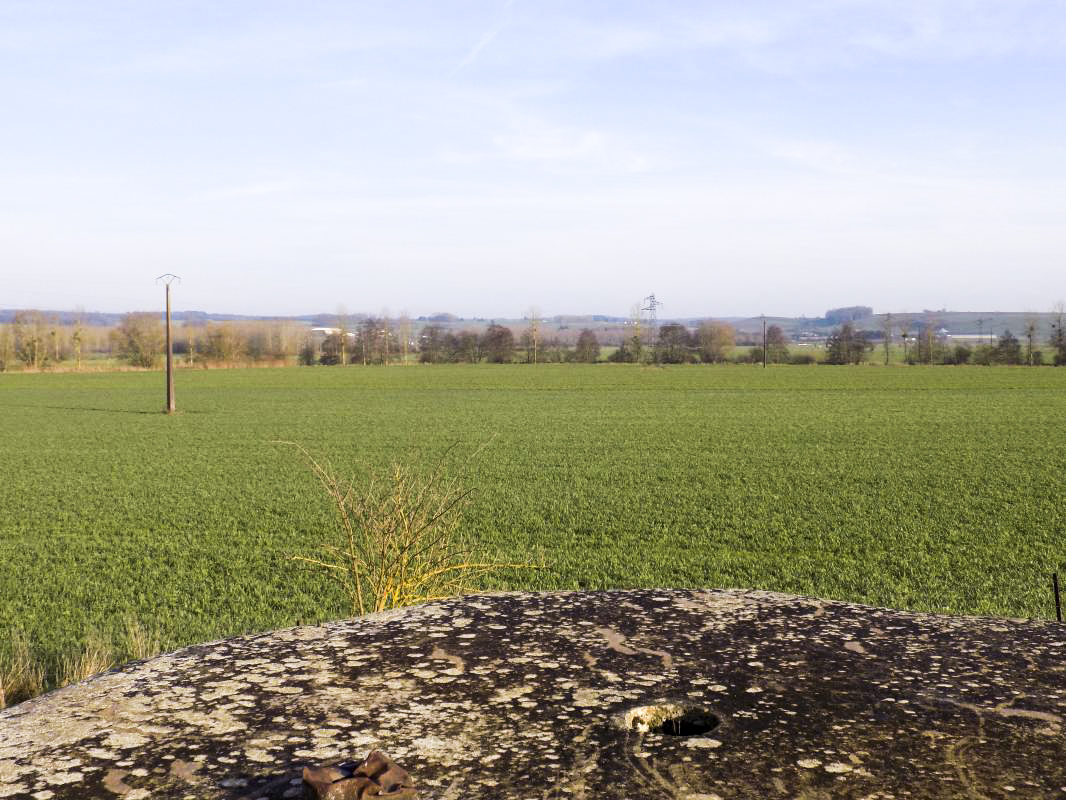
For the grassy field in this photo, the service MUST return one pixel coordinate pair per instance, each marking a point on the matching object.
(923, 488)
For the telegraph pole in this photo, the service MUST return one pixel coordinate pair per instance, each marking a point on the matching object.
(168, 278)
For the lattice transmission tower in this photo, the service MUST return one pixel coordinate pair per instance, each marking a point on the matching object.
(651, 305)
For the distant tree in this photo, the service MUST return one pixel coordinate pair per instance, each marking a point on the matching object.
(634, 343)
(983, 355)
(308, 352)
(341, 346)
(961, 354)
(674, 344)
(776, 345)
(139, 338)
(31, 338)
(753, 356)
(432, 343)
(374, 342)
(1030, 334)
(627, 353)
(497, 343)
(7, 348)
(404, 332)
(1008, 350)
(257, 344)
(846, 346)
(905, 335)
(838, 316)
(588, 347)
(77, 339)
(55, 341)
(715, 340)
(465, 346)
(1058, 334)
(886, 334)
(929, 345)
(262, 342)
(222, 344)
(531, 337)
(388, 347)
(332, 352)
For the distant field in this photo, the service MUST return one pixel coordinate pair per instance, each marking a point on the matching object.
(923, 488)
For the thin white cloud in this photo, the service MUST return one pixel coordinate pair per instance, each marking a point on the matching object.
(562, 148)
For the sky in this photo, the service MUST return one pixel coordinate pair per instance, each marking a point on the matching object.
(487, 158)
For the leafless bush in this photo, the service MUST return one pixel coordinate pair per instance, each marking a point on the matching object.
(399, 540)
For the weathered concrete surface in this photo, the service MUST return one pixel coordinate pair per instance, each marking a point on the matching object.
(523, 696)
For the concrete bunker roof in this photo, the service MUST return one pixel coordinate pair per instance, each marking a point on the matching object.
(533, 695)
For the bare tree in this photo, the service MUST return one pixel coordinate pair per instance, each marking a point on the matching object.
(7, 348)
(498, 344)
(635, 345)
(342, 333)
(405, 334)
(776, 345)
(139, 338)
(715, 340)
(385, 335)
(77, 337)
(905, 334)
(1058, 333)
(588, 347)
(886, 334)
(29, 330)
(532, 336)
(1030, 334)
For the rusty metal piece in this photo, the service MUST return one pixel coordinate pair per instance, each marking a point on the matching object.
(377, 776)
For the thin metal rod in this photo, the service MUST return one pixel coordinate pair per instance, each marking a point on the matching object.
(1058, 601)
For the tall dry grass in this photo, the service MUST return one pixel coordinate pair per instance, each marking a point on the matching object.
(23, 674)
(21, 677)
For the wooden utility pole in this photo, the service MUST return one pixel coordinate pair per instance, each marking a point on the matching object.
(168, 279)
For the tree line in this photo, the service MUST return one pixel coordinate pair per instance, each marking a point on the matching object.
(40, 341)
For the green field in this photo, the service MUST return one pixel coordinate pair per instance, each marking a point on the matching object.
(923, 488)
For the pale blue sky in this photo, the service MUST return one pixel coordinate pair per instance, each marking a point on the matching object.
(485, 157)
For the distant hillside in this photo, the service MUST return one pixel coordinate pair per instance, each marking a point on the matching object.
(106, 318)
(958, 323)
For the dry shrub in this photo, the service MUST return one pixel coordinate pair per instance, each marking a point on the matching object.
(399, 540)
(20, 676)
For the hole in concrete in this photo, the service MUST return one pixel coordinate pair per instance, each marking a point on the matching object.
(693, 722)
(671, 719)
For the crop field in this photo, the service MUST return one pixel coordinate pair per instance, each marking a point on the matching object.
(920, 488)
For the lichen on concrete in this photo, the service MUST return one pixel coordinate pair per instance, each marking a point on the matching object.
(521, 696)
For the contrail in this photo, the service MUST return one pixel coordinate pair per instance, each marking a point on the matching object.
(483, 42)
